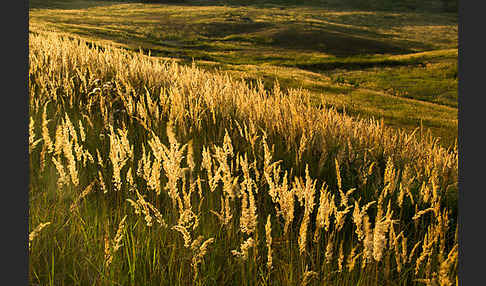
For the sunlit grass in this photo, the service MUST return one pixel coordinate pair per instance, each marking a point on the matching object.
(147, 172)
(330, 51)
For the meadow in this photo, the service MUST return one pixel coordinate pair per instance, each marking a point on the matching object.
(397, 64)
(150, 170)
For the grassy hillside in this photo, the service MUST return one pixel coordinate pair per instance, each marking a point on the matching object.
(236, 143)
(147, 172)
(397, 63)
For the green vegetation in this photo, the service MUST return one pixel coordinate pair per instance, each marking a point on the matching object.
(146, 172)
(329, 49)
(269, 143)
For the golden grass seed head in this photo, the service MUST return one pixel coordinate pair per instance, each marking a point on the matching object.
(268, 237)
(308, 276)
(185, 235)
(45, 132)
(33, 234)
(245, 247)
(340, 256)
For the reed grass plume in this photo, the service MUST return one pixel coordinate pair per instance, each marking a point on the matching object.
(33, 234)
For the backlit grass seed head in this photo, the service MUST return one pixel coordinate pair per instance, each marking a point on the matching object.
(245, 247)
(33, 234)
(268, 237)
(207, 163)
(108, 256)
(63, 178)
(111, 249)
(286, 203)
(299, 190)
(224, 172)
(102, 183)
(352, 259)
(81, 131)
(99, 158)
(358, 218)
(45, 132)
(196, 243)
(267, 154)
(272, 186)
(227, 145)
(308, 276)
(188, 219)
(157, 214)
(87, 157)
(200, 189)
(340, 218)
(187, 192)
(153, 179)
(445, 266)
(248, 182)
(135, 205)
(85, 192)
(381, 229)
(329, 250)
(393, 242)
(324, 211)
(68, 154)
(31, 130)
(338, 174)
(185, 235)
(358, 221)
(414, 249)
(59, 140)
(199, 256)
(78, 151)
(427, 249)
(69, 128)
(171, 159)
(390, 175)
(224, 215)
(368, 241)
(129, 176)
(248, 219)
(404, 256)
(303, 233)
(32, 141)
(421, 213)
(120, 153)
(404, 185)
(340, 257)
(345, 196)
(117, 241)
(308, 195)
(145, 209)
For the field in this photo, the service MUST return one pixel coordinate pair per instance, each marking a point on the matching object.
(397, 65)
(242, 149)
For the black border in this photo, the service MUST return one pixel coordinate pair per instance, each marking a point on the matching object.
(471, 66)
(14, 117)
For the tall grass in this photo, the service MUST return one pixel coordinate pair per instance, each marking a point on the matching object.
(146, 172)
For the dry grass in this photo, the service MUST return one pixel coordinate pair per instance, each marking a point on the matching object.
(206, 180)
